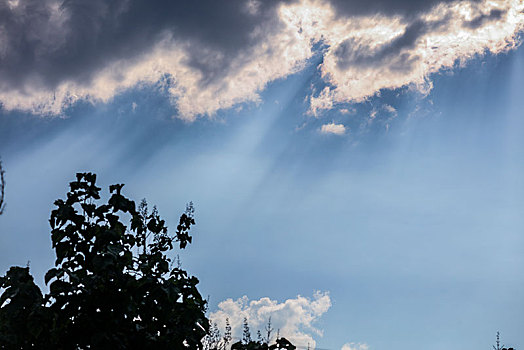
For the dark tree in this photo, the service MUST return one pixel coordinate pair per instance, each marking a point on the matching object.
(213, 340)
(280, 344)
(23, 319)
(112, 286)
(228, 335)
(246, 334)
(260, 344)
(269, 330)
(498, 346)
(2, 189)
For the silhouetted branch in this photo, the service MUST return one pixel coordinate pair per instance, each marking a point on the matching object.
(498, 347)
(2, 188)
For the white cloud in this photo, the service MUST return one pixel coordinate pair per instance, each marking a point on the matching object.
(295, 318)
(332, 128)
(348, 111)
(368, 54)
(364, 55)
(373, 114)
(355, 346)
(391, 110)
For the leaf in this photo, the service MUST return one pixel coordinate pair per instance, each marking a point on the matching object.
(59, 286)
(116, 188)
(50, 275)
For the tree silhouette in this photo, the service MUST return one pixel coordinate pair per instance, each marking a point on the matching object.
(2, 188)
(269, 330)
(281, 343)
(23, 319)
(112, 286)
(246, 334)
(213, 341)
(498, 346)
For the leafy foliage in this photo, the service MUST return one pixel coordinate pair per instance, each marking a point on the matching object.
(112, 285)
(22, 316)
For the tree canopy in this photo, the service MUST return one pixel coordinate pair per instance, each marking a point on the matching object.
(113, 285)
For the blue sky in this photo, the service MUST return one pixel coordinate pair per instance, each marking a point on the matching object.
(405, 213)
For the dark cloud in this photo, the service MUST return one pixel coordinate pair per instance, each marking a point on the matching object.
(387, 7)
(352, 52)
(46, 42)
(51, 51)
(35, 47)
(482, 19)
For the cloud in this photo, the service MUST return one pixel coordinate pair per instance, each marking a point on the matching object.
(391, 110)
(295, 318)
(332, 128)
(212, 55)
(53, 54)
(348, 111)
(370, 7)
(368, 54)
(355, 346)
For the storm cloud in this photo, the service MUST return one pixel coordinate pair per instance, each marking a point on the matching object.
(398, 7)
(73, 39)
(211, 55)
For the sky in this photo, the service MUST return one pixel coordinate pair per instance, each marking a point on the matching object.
(356, 166)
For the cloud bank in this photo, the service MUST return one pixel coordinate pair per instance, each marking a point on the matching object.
(295, 318)
(213, 55)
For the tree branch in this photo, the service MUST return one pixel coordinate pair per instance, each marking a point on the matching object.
(2, 189)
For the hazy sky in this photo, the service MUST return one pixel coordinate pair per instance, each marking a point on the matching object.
(356, 166)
